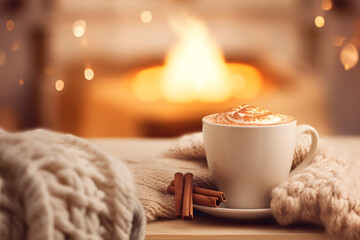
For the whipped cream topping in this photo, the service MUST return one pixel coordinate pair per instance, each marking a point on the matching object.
(249, 115)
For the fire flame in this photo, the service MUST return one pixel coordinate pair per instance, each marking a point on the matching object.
(195, 70)
(349, 56)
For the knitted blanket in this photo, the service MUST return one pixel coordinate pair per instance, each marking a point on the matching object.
(55, 186)
(327, 192)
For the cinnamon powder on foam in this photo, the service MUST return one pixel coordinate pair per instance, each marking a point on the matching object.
(249, 115)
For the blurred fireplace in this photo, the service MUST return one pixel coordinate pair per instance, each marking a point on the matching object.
(117, 44)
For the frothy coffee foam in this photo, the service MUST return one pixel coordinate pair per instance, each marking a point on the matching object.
(248, 115)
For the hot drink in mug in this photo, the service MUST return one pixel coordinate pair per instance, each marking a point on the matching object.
(250, 150)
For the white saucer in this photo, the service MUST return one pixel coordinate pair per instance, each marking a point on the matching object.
(233, 213)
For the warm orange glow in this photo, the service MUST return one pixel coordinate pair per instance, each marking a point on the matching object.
(319, 21)
(326, 5)
(349, 56)
(59, 85)
(15, 46)
(146, 84)
(79, 27)
(246, 81)
(195, 70)
(10, 25)
(88, 73)
(146, 16)
(21, 81)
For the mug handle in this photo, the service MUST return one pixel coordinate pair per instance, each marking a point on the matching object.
(301, 129)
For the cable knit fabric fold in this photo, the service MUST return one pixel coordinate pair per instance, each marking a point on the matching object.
(326, 193)
(56, 186)
(153, 175)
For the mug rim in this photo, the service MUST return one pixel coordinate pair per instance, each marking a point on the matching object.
(247, 126)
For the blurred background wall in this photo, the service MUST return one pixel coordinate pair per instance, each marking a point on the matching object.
(154, 68)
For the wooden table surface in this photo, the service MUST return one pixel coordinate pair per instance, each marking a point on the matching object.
(207, 227)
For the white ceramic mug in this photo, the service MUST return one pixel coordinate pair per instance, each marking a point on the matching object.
(247, 162)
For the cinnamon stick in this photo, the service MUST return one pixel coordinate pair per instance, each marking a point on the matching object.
(178, 192)
(199, 199)
(187, 207)
(208, 192)
(191, 213)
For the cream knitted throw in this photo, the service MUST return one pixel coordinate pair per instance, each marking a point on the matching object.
(326, 193)
(153, 175)
(55, 186)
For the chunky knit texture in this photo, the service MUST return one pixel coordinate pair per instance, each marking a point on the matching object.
(152, 176)
(327, 192)
(55, 186)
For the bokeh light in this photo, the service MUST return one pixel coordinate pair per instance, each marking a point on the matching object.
(59, 85)
(10, 25)
(15, 46)
(319, 21)
(146, 16)
(21, 81)
(79, 27)
(349, 56)
(326, 5)
(88, 73)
